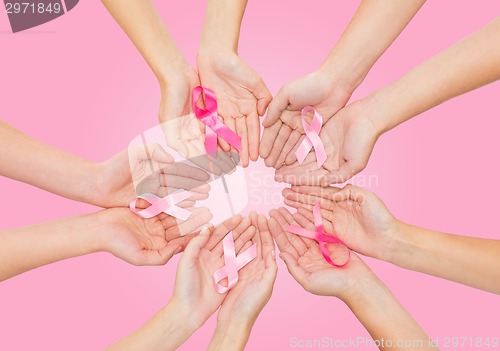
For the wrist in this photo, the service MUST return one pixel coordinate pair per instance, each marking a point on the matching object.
(231, 334)
(176, 75)
(92, 227)
(343, 72)
(361, 289)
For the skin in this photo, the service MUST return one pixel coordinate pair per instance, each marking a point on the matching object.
(117, 231)
(330, 87)
(351, 134)
(113, 183)
(176, 78)
(355, 284)
(242, 95)
(361, 219)
(195, 299)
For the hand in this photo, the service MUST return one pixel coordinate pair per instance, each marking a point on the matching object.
(183, 132)
(255, 284)
(349, 138)
(194, 289)
(242, 97)
(144, 169)
(148, 241)
(355, 215)
(283, 131)
(307, 265)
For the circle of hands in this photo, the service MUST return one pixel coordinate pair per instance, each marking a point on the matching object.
(354, 215)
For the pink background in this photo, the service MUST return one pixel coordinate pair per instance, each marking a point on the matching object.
(77, 83)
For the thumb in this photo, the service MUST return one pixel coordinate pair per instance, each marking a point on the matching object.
(345, 172)
(276, 107)
(263, 95)
(195, 245)
(271, 267)
(159, 154)
(293, 267)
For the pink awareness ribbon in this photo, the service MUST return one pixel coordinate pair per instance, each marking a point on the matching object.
(312, 138)
(213, 125)
(166, 204)
(320, 236)
(233, 264)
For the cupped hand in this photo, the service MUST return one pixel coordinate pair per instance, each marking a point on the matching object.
(283, 131)
(194, 289)
(307, 265)
(183, 132)
(348, 138)
(355, 215)
(150, 241)
(242, 97)
(255, 281)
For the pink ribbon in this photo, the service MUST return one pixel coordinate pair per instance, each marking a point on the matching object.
(214, 126)
(233, 264)
(312, 138)
(320, 236)
(166, 204)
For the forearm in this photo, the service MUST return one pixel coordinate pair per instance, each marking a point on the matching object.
(231, 335)
(385, 318)
(23, 249)
(373, 28)
(145, 28)
(30, 161)
(469, 64)
(470, 261)
(167, 330)
(221, 29)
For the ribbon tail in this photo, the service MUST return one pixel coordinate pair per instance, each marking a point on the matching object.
(210, 141)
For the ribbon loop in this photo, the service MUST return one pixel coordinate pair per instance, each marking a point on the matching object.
(214, 127)
(167, 204)
(320, 236)
(312, 138)
(232, 263)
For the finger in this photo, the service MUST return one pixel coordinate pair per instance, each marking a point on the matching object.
(199, 218)
(292, 155)
(285, 241)
(295, 240)
(345, 172)
(240, 235)
(248, 236)
(268, 137)
(185, 170)
(276, 107)
(263, 95)
(295, 204)
(225, 227)
(280, 237)
(256, 239)
(253, 127)
(292, 264)
(280, 141)
(289, 144)
(266, 239)
(193, 248)
(307, 174)
(307, 199)
(157, 153)
(225, 162)
(271, 267)
(241, 130)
